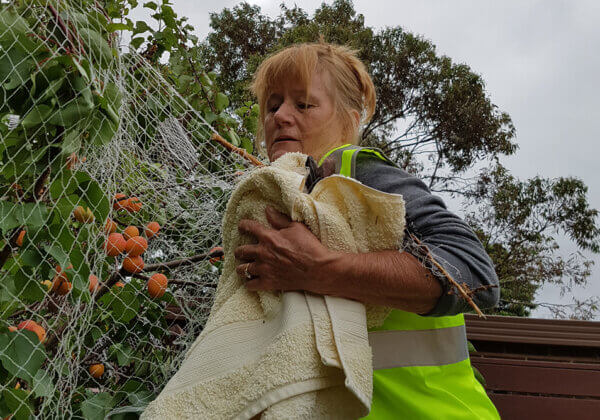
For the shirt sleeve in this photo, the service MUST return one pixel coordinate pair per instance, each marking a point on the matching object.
(451, 242)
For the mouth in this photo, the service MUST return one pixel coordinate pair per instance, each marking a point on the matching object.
(283, 139)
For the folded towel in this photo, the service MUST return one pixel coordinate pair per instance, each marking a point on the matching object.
(289, 355)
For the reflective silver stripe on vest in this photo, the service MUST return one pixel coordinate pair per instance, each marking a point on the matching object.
(403, 348)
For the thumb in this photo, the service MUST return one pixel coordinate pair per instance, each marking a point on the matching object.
(276, 219)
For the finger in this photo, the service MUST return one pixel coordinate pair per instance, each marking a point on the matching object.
(257, 284)
(254, 228)
(244, 269)
(247, 252)
(276, 219)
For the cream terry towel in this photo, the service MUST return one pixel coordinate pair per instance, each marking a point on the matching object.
(290, 355)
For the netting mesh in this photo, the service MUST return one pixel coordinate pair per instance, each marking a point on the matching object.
(94, 141)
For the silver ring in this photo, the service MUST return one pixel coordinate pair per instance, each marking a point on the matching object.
(248, 275)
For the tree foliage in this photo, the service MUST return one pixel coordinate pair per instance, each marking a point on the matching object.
(62, 75)
(434, 118)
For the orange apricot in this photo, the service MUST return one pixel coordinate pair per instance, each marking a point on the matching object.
(83, 215)
(215, 250)
(96, 370)
(136, 246)
(119, 284)
(151, 229)
(114, 245)
(64, 288)
(12, 328)
(93, 286)
(20, 238)
(110, 227)
(130, 232)
(133, 264)
(157, 285)
(133, 205)
(34, 327)
(79, 214)
(120, 201)
(59, 278)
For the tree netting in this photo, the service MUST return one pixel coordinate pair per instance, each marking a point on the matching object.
(95, 144)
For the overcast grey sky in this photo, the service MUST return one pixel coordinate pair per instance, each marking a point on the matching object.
(539, 59)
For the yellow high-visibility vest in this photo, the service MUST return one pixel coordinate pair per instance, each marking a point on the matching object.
(421, 364)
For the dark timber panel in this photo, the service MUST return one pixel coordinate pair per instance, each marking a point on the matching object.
(538, 368)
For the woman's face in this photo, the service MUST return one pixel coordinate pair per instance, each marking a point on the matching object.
(295, 122)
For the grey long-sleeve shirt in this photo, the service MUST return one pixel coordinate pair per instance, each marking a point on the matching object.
(452, 243)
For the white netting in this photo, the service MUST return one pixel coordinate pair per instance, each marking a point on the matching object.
(80, 124)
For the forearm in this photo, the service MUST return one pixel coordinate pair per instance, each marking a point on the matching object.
(389, 278)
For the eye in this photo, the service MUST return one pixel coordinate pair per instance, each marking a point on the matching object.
(273, 108)
(302, 105)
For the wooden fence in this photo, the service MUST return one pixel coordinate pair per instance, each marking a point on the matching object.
(539, 368)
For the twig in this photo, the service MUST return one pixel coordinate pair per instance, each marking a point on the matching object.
(63, 27)
(38, 188)
(32, 308)
(114, 277)
(454, 283)
(53, 340)
(7, 250)
(182, 262)
(238, 150)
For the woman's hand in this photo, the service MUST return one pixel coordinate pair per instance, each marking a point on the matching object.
(287, 257)
(290, 257)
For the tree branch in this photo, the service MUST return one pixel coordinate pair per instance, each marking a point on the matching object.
(242, 152)
(454, 283)
(182, 262)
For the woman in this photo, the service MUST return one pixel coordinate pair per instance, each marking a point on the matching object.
(313, 99)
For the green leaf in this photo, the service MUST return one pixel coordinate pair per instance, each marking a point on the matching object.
(233, 137)
(21, 353)
(36, 116)
(51, 90)
(95, 198)
(32, 256)
(126, 307)
(221, 101)
(64, 184)
(115, 26)
(136, 42)
(97, 47)
(479, 376)
(8, 216)
(101, 129)
(151, 5)
(210, 116)
(122, 353)
(35, 215)
(97, 407)
(61, 245)
(15, 68)
(71, 113)
(29, 290)
(141, 27)
(247, 144)
(72, 141)
(42, 384)
(18, 403)
(80, 69)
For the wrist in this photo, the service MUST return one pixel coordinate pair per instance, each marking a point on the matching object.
(330, 273)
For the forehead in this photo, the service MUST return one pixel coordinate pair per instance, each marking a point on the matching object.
(316, 84)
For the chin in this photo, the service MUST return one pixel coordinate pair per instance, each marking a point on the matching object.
(280, 150)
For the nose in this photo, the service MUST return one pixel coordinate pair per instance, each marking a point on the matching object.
(284, 114)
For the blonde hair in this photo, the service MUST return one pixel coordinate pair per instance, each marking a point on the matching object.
(352, 89)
